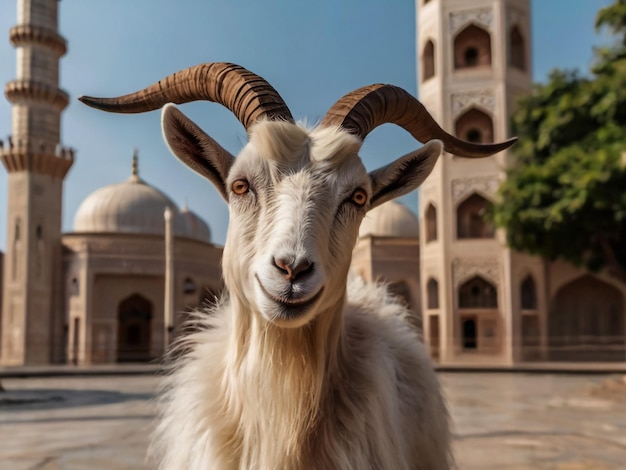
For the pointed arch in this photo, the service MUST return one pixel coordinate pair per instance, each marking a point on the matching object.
(477, 292)
(431, 223)
(472, 218)
(587, 322)
(472, 48)
(474, 126)
(517, 49)
(428, 61)
(432, 294)
(528, 293)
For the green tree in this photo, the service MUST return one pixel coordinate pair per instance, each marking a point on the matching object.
(565, 197)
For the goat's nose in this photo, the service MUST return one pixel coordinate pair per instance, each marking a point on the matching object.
(293, 269)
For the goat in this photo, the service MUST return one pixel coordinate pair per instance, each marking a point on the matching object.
(295, 367)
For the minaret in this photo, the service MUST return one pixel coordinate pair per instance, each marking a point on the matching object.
(474, 60)
(32, 320)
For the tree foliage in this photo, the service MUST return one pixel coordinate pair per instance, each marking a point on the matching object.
(566, 195)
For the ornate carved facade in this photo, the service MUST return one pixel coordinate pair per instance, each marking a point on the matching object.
(495, 306)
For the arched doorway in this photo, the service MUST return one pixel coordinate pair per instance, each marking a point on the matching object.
(470, 339)
(134, 329)
(479, 316)
(587, 322)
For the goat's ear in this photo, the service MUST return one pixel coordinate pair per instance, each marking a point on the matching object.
(195, 148)
(405, 174)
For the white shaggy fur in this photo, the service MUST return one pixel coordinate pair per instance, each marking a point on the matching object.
(341, 382)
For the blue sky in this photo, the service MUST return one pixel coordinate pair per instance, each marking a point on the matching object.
(312, 52)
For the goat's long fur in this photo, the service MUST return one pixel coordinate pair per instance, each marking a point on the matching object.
(344, 384)
(249, 395)
(296, 368)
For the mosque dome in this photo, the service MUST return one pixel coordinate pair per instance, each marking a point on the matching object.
(134, 206)
(194, 226)
(391, 219)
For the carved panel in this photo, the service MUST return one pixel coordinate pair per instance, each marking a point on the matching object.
(484, 98)
(487, 185)
(480, 16)
(466, 268)
(515, 17)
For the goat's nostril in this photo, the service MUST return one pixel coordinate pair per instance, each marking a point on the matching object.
(301, 269)
(290, 270)
(283, 266)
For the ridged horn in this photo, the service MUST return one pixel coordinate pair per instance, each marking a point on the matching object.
(247, 95)
(366, 108)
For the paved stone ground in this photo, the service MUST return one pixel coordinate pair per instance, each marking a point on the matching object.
(502, 421)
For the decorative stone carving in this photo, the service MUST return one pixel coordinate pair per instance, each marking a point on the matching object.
(481, 16)
(484, 98)
(466, 268)
(515, 17)
(488, 185)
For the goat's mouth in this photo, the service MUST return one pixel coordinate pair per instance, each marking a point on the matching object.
(290, 307)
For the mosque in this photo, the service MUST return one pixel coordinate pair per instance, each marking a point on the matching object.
(117, 286)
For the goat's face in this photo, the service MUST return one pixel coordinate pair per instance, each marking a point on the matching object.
(296, 199)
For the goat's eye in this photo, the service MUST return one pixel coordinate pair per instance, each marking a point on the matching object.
(240, 187)
(359, 197)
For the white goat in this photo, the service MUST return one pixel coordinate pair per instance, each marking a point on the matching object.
(295, 368)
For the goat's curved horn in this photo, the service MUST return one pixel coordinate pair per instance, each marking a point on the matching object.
(247, 95)
(366, 108)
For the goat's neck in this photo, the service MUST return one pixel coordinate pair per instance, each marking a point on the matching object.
(283, 372)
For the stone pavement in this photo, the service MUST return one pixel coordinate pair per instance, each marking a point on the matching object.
(502, 421)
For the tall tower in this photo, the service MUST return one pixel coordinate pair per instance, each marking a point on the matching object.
(32, 323)
(474, 60)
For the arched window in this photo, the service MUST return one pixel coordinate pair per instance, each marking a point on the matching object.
(529, 293)
(517, 52)
(472, 48)
(478, 293)
(474, 126)
(471, 218)
(431, 223)
(428, 61)
(17, 245)
(432, 294)
(39, 257)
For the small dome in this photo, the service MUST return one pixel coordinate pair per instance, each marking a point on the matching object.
(390, 219)
(134, 206)
(194, 226)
